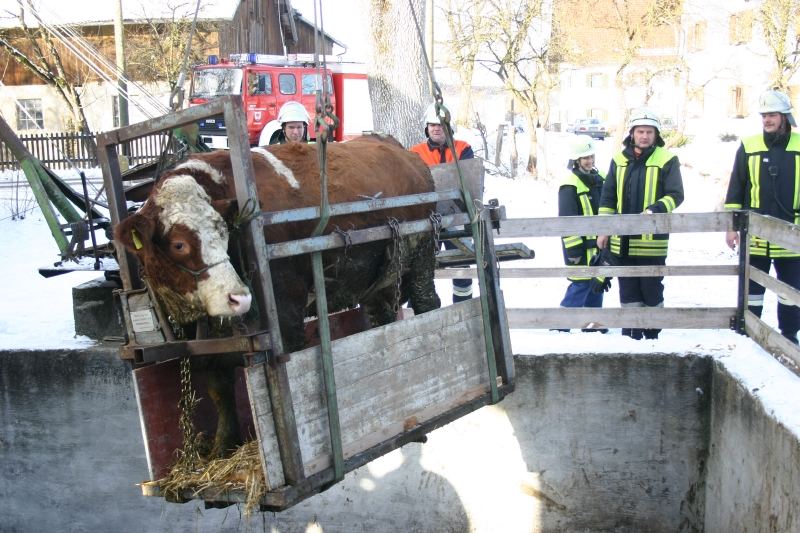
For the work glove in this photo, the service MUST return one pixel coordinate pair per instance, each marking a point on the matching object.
(598, 285)
(602, 258)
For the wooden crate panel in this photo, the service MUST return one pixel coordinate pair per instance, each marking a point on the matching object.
(388, 380)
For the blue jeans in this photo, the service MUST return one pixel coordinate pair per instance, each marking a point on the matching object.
(579, 294)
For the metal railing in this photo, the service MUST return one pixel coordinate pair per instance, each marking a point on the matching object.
(67, 149)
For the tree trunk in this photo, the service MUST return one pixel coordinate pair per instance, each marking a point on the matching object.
(396, 69)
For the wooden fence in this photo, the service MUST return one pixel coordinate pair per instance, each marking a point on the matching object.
(735, 317)
(73, 149)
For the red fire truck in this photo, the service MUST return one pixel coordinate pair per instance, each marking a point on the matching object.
(266, 82)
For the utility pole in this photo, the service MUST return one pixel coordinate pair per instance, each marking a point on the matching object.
(122, 86)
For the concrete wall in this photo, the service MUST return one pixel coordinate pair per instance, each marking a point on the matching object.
(753, 480)
(593, 443)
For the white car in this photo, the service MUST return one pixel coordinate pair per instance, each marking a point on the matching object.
(594, 127)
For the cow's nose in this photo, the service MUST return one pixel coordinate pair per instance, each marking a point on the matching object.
(240, 303)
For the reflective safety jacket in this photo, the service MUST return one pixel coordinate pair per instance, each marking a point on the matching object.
(633, 185)
(434, 154)
(579, 195)
(766, 179)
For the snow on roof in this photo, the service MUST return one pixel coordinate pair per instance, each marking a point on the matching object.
(104, 11)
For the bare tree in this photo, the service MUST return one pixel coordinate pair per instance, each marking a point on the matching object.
(632, 25)
(519, 52)
(35, 49)
(779, 22)
(156, 51)
(396, 67)
(466, 33)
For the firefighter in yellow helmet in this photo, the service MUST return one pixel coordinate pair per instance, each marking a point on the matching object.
(765, 180)
(642, 178)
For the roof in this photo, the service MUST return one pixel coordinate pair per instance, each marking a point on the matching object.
(103, 12)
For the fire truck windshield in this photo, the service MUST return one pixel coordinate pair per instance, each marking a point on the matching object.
(213, 82)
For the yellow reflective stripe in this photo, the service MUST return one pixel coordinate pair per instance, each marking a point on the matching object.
(620, 179)
(572, 241)
(754, 164)
(796, 188)
(607, 211)
(650, 181)
(733, 206)
(586, 204)
(669, 203)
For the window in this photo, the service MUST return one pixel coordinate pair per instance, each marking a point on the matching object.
(737, 107)
(697, 37)
(740, 27)
(29, 114)
(259, 84)
(596, 80)
(287, 84)
(311, 84)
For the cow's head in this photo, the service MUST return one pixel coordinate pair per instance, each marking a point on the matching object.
(181, 240)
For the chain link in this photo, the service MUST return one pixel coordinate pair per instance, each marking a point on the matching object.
(436, 227)
(397, 260)
(189, 454)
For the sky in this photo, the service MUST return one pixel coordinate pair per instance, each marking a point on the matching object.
(37, 312)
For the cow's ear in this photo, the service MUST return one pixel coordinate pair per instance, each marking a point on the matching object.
(227, 208)
(135, 232)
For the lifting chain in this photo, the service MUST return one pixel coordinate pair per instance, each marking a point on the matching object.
(481, 228)
(189, 454)
(436, 227)
(343, 259)
(397, 260)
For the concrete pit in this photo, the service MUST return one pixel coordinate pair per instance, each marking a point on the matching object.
(657, 443)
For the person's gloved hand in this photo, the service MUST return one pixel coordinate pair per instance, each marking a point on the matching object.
(599, 285)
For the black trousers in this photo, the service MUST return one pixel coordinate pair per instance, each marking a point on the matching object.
(788, 271)
(642, 292)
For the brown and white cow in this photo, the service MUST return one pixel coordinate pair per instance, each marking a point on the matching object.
(180, 235)
(180, 238)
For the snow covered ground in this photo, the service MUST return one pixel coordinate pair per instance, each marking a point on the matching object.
(37, 313)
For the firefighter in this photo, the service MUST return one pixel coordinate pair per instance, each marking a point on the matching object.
(642, 178)
(435, 151)
(579, 195)
(294, 119)
(764, 180)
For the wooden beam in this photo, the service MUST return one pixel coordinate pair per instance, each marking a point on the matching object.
(616, 225)
(775, 231)
(617, 272)
(630, 317)
(773, 342)
(783, 290)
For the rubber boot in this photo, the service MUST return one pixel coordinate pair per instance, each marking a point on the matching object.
(651, 333)
(633, 333)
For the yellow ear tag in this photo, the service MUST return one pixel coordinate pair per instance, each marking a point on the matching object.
(136, 241)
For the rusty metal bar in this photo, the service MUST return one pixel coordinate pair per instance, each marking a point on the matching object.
(156, 353)
(334, 240)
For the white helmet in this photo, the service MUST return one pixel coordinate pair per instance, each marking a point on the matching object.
(580, 146)
(432, 118)
(293, 112)
(773, 101)
(644, 116)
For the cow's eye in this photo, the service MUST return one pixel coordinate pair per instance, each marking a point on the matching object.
(179, 248)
